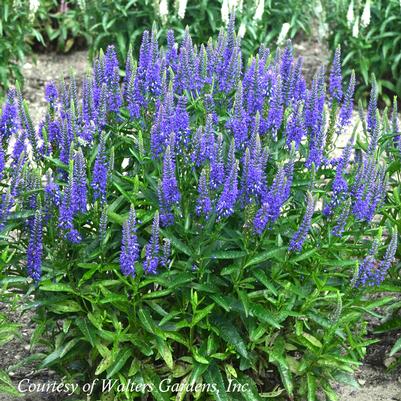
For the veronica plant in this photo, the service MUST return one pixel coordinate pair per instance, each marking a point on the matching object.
(196, 225)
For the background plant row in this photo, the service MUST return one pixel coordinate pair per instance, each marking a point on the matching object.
(368, 30)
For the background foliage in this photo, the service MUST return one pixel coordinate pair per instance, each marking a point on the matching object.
(17, 32)
(368, 31)
(370, 36)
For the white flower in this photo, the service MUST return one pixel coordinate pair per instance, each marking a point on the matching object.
(82, 4)
(259, 10)
(233, 4)
(225, 11)
(350, 13)
(181, 8)
(33, 6)
(242, 30)
(228, 6)
(163, 10)
(355, 28)
(365, 19)
(283, 34)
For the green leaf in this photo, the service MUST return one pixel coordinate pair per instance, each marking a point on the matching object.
(153, 379)
(220, 300)
(165, 352)
(243, 296)
(69, 346)
(57, 287)
(230, 334)
(6, 386)
(201, 313)
(120, 361)
(115, 218)
(65, 307)
(249, 389)
(263, 257)
(264, 315)
(313, 340)
(311, 383)
(284, 370)
(51, 357)
(396, 347)
(303, 256)
(390, 325)
(214, 377)
(87, 330)
(199, 358)
(227, 255)
(157, 294)
(146, 320)
(149, 324)
(332, 363)
(178, 244)
(261, 276)
(105, 363)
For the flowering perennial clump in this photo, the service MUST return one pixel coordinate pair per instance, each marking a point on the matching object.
(202, 218)
(203, 137)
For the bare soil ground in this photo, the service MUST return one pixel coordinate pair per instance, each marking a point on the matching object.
(376, 383)
(50, 67)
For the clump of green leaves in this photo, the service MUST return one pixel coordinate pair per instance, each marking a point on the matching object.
(369, 33)
(17, 31)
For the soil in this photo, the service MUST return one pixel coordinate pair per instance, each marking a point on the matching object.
(17, 350)
(48, 67)
(376, 383)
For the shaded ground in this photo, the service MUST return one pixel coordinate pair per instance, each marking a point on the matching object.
(12, 357)
(50, 67)
(376, 384)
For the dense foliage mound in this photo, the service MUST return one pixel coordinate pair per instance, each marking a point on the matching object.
(196, 224)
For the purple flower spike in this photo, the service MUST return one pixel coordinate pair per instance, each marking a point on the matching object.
(273, 199)
(340, 185)
(367, 268)
(100, 171)
(217, 164)
(35, 248)
(276, 109)
(66, 215)
(2, 161)
(79, 191)
(228, 198)
(9, 117)
(348, 104)
(51, 94)
(237, 124)
(395, 128)
(335, 87)
(342, 219)
(129, 247)
(372, 272)
(165, 259)
(296, 130)
(169, 194)
(300, 236)
(6, 203)
(372, 107)
(388, 258)
(203, 204)
(153, 248)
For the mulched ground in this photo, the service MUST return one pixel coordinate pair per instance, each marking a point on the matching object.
(376, 383)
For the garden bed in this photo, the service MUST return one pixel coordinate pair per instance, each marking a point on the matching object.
(376, 383)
